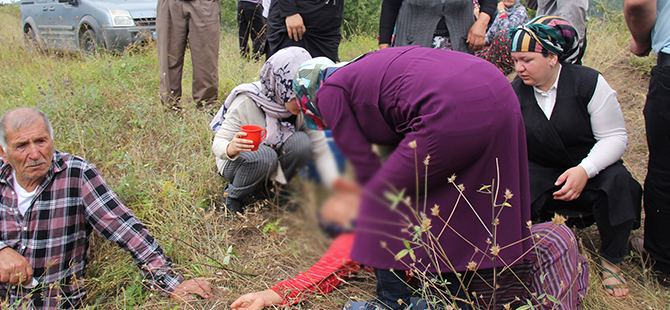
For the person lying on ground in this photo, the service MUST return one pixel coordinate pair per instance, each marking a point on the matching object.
(558, 269)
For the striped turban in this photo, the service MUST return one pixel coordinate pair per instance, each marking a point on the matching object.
(547, 34)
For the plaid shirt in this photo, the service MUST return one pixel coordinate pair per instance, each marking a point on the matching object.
(71, 202)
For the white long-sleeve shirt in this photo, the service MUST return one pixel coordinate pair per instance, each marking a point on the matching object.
(607, 124)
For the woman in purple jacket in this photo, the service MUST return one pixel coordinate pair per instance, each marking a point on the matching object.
(457, 129)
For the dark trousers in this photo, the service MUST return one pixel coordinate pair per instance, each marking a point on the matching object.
(251, 26)
(392, 287)
(657, 183)
(590, 203)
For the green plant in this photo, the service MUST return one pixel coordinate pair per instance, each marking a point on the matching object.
(106, 109)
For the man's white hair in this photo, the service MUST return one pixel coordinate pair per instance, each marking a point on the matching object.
(18, 118)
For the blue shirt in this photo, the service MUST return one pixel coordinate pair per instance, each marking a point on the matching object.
(660, 35)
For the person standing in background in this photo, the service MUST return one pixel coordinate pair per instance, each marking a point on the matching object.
(649, 23)
(251, 25)
(429, 23)
(197, 23)
(511, 14)
(314, 25)
(574, 11)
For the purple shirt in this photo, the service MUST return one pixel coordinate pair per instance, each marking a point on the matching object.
(71, 202)
(461, 111)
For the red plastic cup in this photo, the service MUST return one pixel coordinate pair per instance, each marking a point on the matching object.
(254, 134)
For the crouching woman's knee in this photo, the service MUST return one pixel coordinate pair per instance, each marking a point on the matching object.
(298, 146)
(262, 161)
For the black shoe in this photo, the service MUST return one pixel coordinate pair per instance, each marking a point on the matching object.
(232, 206)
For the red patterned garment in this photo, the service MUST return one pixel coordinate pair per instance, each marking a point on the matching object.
(555, 268)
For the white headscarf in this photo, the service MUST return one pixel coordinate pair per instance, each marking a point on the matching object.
(276, 81)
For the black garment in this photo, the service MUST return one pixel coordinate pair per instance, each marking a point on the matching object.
(322, 20)
(657, 183)
(531, 4)
(251, 26)
(593, 206)
(389, 14)
(391, 287)
(561, 143)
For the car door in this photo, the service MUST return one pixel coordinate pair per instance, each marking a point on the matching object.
(63, 20)
(34, 12)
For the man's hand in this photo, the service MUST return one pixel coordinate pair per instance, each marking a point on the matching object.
(477, 34)
(639, 50)
(239, 144)
(184, 292)
(383, 46)
(14, 268)
(295, 27)
(573, 180)
(257, 300)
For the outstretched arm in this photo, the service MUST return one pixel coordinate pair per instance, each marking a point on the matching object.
(197, 286)
(321, 278)
(640, 17)
(257, 300)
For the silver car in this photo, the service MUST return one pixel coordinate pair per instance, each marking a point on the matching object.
(87, 25)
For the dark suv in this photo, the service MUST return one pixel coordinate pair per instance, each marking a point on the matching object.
(87, 25)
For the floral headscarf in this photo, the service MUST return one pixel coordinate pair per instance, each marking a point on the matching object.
(276, 88)
(547, 34)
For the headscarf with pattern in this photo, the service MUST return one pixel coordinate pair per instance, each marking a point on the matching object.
(547, 34)
(276, 88)
(306, 82)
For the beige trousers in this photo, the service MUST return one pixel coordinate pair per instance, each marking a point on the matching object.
(196, 22)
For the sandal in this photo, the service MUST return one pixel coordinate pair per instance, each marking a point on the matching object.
(616, 275)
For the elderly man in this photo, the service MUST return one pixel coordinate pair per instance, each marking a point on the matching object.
(49, 204)
(649, 24)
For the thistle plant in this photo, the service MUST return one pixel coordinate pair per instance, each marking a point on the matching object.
(418, 225)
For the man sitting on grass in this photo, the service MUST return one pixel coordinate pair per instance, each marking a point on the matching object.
(49, 204)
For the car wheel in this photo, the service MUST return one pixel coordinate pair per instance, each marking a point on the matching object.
(30, 40)
(88, 43)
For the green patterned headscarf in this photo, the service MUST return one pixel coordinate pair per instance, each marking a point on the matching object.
(306, 82)
(547, 34)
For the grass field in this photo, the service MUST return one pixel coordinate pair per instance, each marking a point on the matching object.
(107, 110)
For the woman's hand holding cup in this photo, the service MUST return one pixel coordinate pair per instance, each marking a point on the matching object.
(239, 144)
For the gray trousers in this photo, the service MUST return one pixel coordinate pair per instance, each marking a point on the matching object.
(197, 23)
(251, 169)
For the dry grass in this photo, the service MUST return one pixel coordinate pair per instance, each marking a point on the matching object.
(107, 110)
